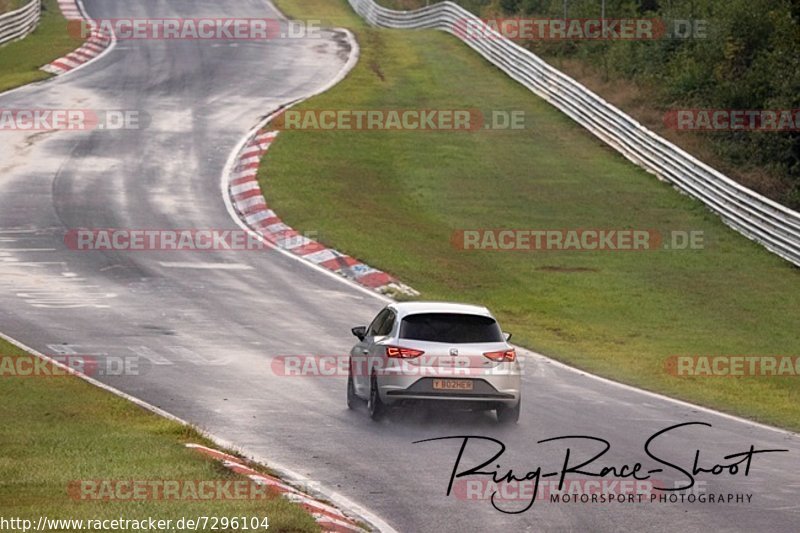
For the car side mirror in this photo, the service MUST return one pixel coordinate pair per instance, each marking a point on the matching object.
(360, 332)
(507, 336)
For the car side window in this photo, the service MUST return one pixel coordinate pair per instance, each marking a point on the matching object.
(386, 327)
(373, 328)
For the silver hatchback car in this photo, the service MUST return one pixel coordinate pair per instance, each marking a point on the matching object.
(432, 351)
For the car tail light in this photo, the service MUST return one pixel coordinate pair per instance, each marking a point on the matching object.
(503, 356)
(402, 353)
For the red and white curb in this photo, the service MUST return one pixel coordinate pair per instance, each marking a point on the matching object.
(328, 517)
(97, 43)
(252, 208)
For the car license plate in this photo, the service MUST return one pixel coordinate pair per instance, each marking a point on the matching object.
(452, 384)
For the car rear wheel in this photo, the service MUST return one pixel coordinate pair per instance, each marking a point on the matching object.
(508, 415)
(375, 405)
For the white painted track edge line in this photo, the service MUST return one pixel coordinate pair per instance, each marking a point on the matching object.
(96, 383)
(384, 298)
(535, 355)
(233, 159)
(340, 500)
(283, 472)
(111, 45)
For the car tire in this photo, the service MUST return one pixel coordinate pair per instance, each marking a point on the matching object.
(352, 398)
(508, 415)
(375, 406)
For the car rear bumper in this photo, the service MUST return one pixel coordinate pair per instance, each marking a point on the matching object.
(503, 389)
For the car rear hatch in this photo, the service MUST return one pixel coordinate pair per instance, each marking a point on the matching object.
(451, 341)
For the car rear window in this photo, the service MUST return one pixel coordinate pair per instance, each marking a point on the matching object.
(451, 328)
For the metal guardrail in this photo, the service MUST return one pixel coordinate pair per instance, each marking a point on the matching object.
(20, 22)
(774, 226)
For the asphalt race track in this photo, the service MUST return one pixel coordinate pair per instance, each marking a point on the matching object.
(206, 326)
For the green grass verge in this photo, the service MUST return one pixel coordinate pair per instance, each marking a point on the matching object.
(393, 199)
(59, 429)
(20, 60)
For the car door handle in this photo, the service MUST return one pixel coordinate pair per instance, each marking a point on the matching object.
(364, 351)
